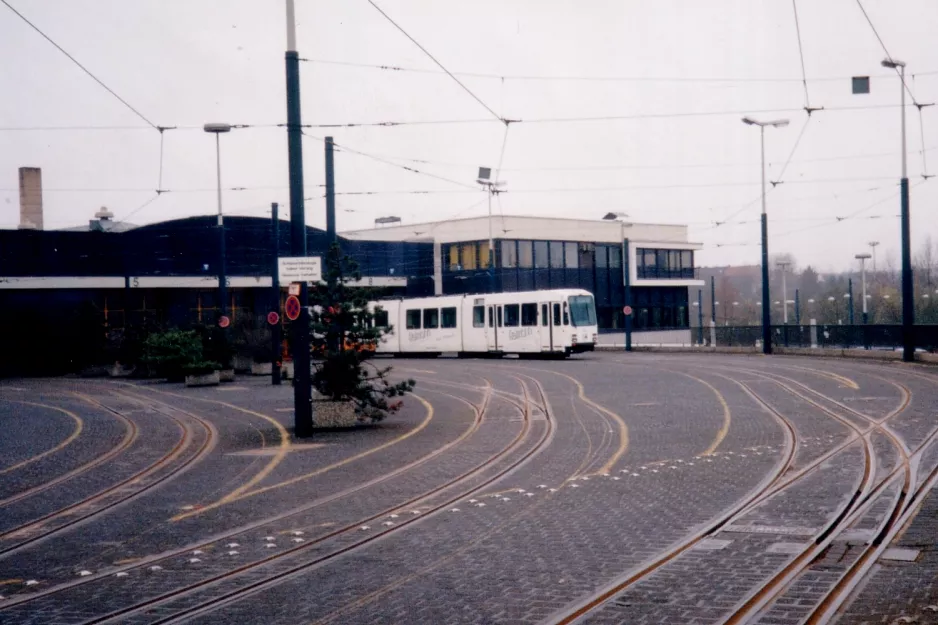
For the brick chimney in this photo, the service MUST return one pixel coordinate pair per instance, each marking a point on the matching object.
(30, 197)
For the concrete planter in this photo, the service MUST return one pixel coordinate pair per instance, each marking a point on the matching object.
(261, 368)
(242, 363)
(206, 379)
(335, 414)
(226, 375)
(120, 371)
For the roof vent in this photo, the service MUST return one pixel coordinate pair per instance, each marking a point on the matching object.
(104, 214)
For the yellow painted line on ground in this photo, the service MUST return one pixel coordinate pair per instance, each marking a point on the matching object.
(282, 451)
(9, 582)
(623, 428)
(836, 377)
(415, 370)
(350, 459)
(80, 425)
(283, 409)
(727, 417)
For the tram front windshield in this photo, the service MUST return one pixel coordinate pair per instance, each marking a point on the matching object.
(582, 311)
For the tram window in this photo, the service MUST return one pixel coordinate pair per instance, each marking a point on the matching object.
(511, 315)
(478, 316)
(499, 316)
(529, 314)
(544, 319)
(448, 317)
(491, 317)
(413, 319)
(556, 314)
(566, 315)
(431, 318)
(381, 318)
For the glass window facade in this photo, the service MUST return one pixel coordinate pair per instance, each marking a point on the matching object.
(509, 254)
(541, 256)
(656, 264)
(525, 254)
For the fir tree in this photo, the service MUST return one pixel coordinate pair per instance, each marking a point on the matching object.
(344, 335)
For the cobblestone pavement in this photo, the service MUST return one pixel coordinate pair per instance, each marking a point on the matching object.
(579, 476)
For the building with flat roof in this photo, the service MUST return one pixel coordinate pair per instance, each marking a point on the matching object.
(531, 253)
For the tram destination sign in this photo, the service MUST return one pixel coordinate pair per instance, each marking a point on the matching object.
(300, 269)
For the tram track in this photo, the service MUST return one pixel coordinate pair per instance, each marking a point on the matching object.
(140, 483)
(131, 432)
(859, 503)
(286, 569)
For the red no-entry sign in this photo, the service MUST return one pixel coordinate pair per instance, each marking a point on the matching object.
(291, 308)
(224, 322)
(627, 310)
(273, 318)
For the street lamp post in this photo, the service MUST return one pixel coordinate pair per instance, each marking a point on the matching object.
(873, 245)
(626, 273)
(217, 129)
(908, 302)
(766, 306)
(862, 258)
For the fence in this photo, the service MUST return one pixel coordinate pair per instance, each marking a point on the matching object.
(834, 336)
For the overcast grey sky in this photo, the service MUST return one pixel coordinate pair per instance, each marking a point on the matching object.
(184, 63)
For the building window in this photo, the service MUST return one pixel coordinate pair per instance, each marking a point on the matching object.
(478, 316)
(556, 255)
(586, 252)
(615, 257)
(525, 254)
(431, 318)
(602, 256)
(571, 257)
(529, 314)
(453, 257)
(511, 315)
(540, 255)
(468, 256)
(509, 254)
(413, 319)
(484, 255)
(448, 317)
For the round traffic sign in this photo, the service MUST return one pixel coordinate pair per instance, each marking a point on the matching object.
(627, 310)
(273, 318)
(291, 308)
(224, 322)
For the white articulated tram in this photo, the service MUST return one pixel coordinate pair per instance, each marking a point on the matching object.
(552, 323)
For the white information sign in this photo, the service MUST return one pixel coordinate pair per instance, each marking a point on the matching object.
(300, 269)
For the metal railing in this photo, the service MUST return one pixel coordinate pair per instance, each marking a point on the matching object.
(830, 336)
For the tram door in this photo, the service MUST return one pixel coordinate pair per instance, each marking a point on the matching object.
(491, 332)
(546, 326)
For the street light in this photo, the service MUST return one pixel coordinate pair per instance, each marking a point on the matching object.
(863, 258)
(626, 272)
(766, 312)
(491, 188)
(908, 303)
(217, 129)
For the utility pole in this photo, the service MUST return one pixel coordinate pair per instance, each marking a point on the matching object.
(700, 316)
(302, 399)
(713, 300)
(783, 265)
(627, 268)
(275, 293)
(797, 307)
(330, 191)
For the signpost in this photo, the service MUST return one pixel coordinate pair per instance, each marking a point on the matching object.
(291, 308)
(300, 269)
(294, 289)
(273, 318)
